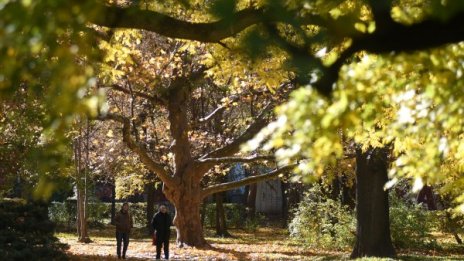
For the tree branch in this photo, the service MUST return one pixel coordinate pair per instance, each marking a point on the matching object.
(246, 181)
(395, 37)
(236, 159)
(253, 129)
(133, 17)
(139, 94)
(219, 109)
(213, 32)
(152, 165)
(389, 35)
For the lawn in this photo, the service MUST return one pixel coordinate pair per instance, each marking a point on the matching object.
(262, 244)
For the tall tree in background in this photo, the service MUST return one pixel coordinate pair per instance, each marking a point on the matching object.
(81, 145)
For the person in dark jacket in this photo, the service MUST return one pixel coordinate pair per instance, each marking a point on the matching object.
(162, 225)
(124, 223)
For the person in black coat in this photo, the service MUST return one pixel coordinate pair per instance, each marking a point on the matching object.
(162, 225)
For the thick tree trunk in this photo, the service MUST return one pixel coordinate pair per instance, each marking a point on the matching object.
(373, 223)
(426, 196)
(203, 213)
(221, 226)
(187, 201)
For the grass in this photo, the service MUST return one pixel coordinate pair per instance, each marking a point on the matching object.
(262, 244)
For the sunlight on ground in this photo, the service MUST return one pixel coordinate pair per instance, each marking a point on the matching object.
(271, 244)
(263, 244)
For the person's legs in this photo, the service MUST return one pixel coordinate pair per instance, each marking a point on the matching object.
(159, 242)
(118, 244)
(166, 248)
(125, 237)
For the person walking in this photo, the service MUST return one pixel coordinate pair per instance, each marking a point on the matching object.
(162, 225)
(124, 223)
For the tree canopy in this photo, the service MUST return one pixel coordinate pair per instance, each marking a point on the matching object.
(377, 72)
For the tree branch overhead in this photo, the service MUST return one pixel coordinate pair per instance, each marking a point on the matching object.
(154, 166)
(246, 181)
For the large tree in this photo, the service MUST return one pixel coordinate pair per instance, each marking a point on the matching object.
(182, 124)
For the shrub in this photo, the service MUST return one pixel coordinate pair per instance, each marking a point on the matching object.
(99, 213)
(410, 224)
(235, 215)
(323, 222)
(26, 233)
(253, 223)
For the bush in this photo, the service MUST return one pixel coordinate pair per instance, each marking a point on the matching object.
(410, 224)
(99, 213)
(26, 233)
(235, 215)
(253, 223)
(323, 222)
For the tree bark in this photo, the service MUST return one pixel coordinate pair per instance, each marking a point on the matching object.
(373, 223)
(81, 185)
(187, 201)
(221, 226)
(426, 196)
(83, 235)
(203, 213)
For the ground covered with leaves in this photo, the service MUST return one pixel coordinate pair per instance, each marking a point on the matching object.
(262, 244)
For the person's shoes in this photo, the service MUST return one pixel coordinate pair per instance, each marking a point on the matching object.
(119, 257)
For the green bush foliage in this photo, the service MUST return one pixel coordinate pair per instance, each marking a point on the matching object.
(99, 213)
(254, 222)
(26, 232)
(323, 222)
(235, 215)
(411, 224)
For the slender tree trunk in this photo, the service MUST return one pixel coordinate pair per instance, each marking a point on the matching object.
(150, 191)
(82, 219)
(113, 202)
(251, 200)
(373, 223)
(81, 183)
(78, 216)
(221, 226)
(452, 224)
